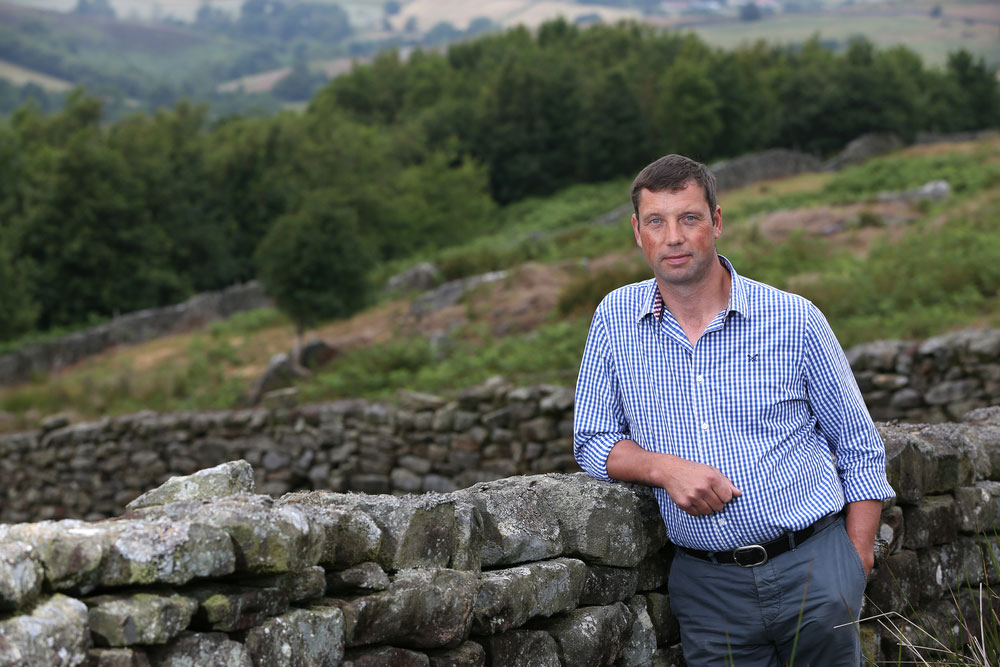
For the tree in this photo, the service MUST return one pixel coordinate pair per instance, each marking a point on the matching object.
(18, 310)
(613, 139)
(978, 104)
(94, 8)
(689, 121)
(313, 262)
(750, 12)
(93, 249)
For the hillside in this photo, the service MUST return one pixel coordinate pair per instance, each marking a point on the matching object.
(155, 55)
(881, 265)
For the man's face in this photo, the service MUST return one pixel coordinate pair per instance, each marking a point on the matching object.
(676, 232)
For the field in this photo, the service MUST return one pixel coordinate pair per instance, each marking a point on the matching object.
(503, 12)
(973, 26)
(20, 76)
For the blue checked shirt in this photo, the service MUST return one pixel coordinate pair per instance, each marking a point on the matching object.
(766, 396)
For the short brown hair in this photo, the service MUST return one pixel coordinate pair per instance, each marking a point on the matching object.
(673, 172)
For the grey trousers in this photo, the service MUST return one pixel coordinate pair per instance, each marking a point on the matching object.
(749, 617)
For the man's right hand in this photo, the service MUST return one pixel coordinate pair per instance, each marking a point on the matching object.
(696, 488)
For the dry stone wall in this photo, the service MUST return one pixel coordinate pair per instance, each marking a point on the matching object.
(418, 444)
(935, 380)
(90, 471)
(39, 359)
(552, 569)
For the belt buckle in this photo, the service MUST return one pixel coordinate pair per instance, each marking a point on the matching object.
(751, 549)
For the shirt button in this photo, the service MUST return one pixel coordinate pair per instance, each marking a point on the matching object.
(722, 521)
(701, 379)
(704, 426)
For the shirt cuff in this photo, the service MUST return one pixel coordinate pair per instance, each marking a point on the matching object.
(592, 452)
(871, 486)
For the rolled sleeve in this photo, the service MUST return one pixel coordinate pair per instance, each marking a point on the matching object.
(843, 418)
(598, 421)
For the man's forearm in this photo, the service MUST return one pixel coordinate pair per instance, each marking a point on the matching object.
(696, 488)
(628, 462)
(862, 523)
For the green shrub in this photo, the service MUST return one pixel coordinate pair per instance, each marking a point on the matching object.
(583, 294)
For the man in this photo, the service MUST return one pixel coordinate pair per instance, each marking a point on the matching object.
(734, 401)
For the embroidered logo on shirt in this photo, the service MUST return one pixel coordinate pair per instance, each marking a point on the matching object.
(752, 357)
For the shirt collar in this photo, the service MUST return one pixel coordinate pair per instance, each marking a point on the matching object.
(738, 302)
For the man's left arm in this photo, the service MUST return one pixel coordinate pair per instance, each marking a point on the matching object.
(862, 520)
(847, 427)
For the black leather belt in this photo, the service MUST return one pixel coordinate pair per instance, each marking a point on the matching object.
(758, 554)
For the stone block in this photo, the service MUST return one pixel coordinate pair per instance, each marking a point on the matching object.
(539, 429)
(416, 531)
(362, 578)
(990, 550)
(267, 538)
(671, 656)
(116, 657)
(416, 464)
(307, 584)
(21, 576)
(522, 648)
(163, 551)
(984, 438)
(892, 528)
(147, 617)
(424, 608)
(508, 598)
(952, 391)
(602, 523)
(590, 636)
(373, 484)
(78, 556)
(934, 520)
(607, 585)
(225, 479)
(518, 524)
(894, 587)
(405, 480)
(665, 625)
(349, 537)
(467, 654)
(70, 551)
(312, 637)
(201, 648)
(227, 607)
(53, 633)
(943, 569)
(641, 643)
(916, 466)
(385, 656)
(978, 507)
(972, 451)
(654, 569)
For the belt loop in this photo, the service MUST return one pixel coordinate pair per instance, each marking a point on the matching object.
(791, 540)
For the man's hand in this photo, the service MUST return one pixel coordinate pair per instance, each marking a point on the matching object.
(862, 524)
(696, 488)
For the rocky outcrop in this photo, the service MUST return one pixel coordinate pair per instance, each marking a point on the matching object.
(865, 148)
(772, 163)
